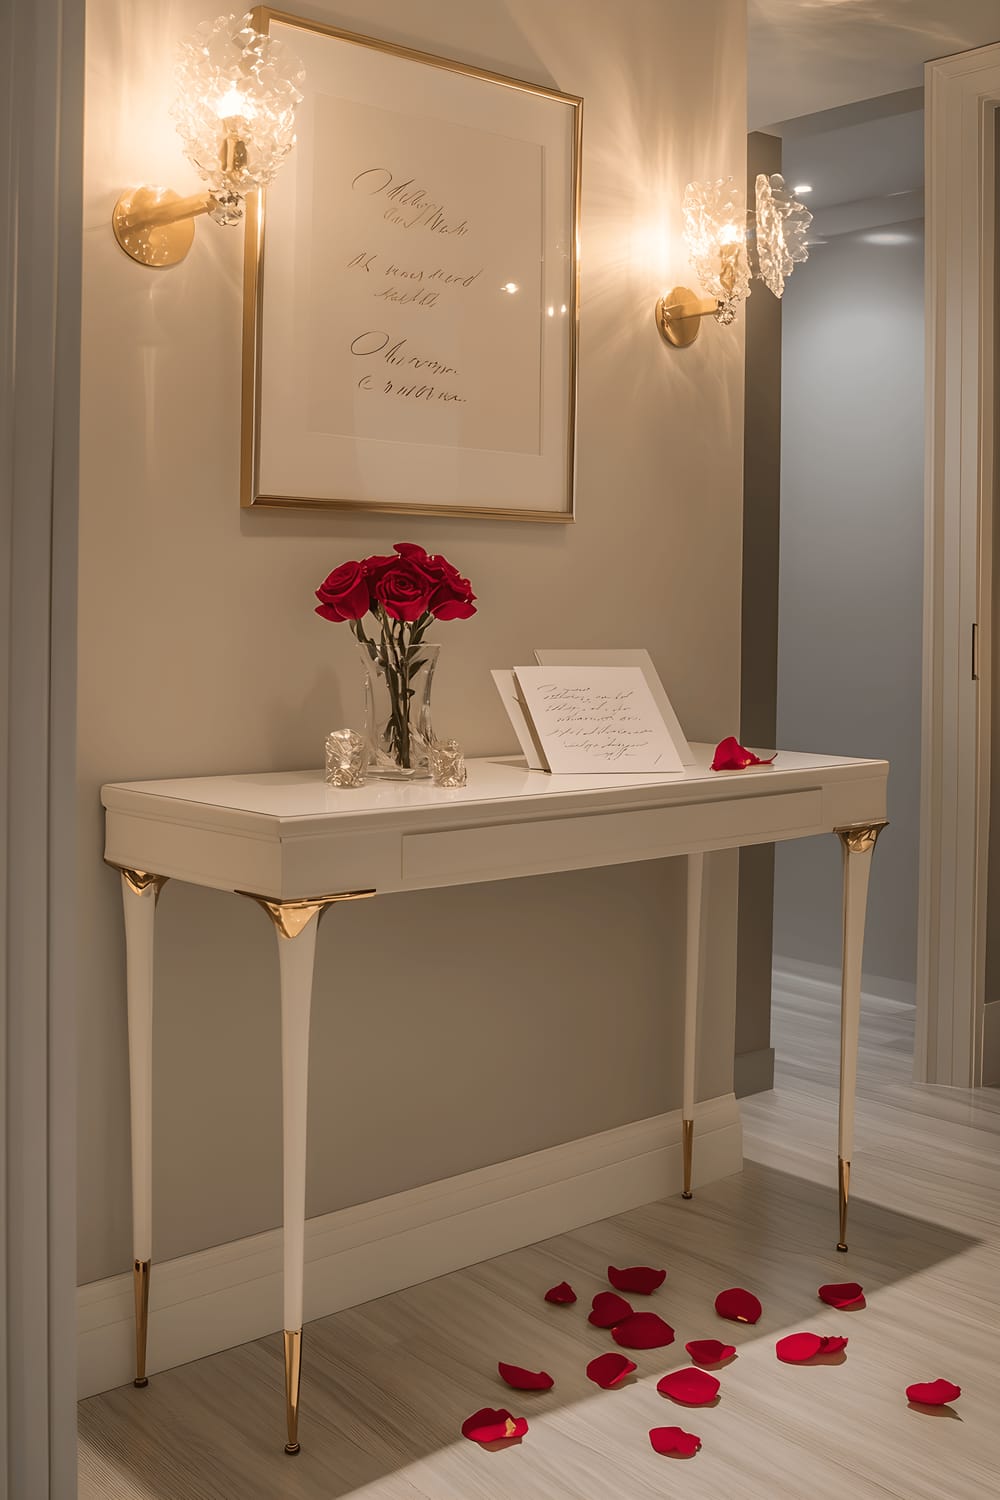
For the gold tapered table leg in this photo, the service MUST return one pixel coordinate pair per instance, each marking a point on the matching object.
(140, 1283)
(844, 1185)
(293, 1376)
(688, 1143)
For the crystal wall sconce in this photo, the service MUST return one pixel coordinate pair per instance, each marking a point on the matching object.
(237, 92)
(729, 246)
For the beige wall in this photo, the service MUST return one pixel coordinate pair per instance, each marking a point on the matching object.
(451, 1029)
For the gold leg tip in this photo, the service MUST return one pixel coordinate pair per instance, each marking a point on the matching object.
(842, 1247)
(291, 1449)
(140, 1382)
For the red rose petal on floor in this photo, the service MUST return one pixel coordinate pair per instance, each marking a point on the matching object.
(642, 1279)
(609, 1369)
(738, 1304)
(833, 1345)
(674, 1440)
(709, 1351)
(561, 1293)
(609, 1309)
(692, 1387)
(933, 1392)
(493, 1425)
(643, 1331)
(525, 1380)
(795, 1348)
(843, 1294)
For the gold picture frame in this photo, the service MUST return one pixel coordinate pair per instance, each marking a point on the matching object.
(290, 380)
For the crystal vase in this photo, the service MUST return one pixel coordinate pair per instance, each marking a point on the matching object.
(398, 681)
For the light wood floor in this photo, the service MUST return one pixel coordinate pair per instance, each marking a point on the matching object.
(388, 1384)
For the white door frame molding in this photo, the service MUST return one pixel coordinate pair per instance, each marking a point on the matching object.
(41, 106)
(962, 94)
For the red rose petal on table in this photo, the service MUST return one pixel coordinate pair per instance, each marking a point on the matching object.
(843, 1294)
(730, 755)
(738, 1304)
(493, 1425)
(609, 1369)
(674, 1440)
(692, 1387)
(795, 1348)
(709, 1351)
(933, 1392)
(643, 1331)
(525, 1380)
(609, 1309)
(642, 1279)
(561, 1293)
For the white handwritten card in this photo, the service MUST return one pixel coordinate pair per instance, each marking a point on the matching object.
(628, 657)
(597, 719)
(506, 685)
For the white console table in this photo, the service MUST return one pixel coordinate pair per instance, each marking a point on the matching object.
(297, 847)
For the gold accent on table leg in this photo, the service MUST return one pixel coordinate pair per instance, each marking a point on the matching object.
(293, 917)
(861, 837)
(140, 1284)
(293, 1377)
(844, 1189)
(687, 1127)
(139, 881)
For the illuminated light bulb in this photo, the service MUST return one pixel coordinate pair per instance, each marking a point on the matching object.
(802, 187)
(552, 312)
(510, 286)
(233, 102)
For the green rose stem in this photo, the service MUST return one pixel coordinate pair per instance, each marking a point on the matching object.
(396, 658)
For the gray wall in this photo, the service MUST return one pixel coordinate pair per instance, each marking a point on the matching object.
(851, 571)
(452, 1029)
(759, 649)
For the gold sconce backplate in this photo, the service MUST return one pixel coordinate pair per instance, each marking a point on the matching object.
(679, 315)
(143, 238)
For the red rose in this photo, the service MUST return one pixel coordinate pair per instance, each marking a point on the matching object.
(376, 565)
(452, 597)
(344, 595)
(412, 552)
(404, 591)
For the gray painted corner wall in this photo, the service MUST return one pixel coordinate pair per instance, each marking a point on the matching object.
(759, 647)
(851, 572)
(452, 1029)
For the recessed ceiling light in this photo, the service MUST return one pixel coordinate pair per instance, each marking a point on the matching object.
(802, 187)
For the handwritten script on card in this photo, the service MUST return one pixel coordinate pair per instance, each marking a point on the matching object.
(597, 719)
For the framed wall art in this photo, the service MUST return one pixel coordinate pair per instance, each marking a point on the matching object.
(411, 289)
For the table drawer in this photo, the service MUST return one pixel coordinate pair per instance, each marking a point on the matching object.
(499, 851)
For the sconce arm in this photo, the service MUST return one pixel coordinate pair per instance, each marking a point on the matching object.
(155, 215)
(679, 313)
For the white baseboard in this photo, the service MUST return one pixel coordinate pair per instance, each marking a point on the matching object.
(214, 1299)
(823, 980)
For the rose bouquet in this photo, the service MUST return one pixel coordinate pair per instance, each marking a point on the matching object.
(404, 593)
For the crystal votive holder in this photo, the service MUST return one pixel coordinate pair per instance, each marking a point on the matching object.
(347, 755)
(447, 763)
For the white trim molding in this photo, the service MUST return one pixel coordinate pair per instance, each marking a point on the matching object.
(962, 94)
(202, 1303)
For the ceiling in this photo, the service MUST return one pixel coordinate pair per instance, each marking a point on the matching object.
(812, 55)
(855, 163)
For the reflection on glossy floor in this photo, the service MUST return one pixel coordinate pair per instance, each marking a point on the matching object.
(390, 1383)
